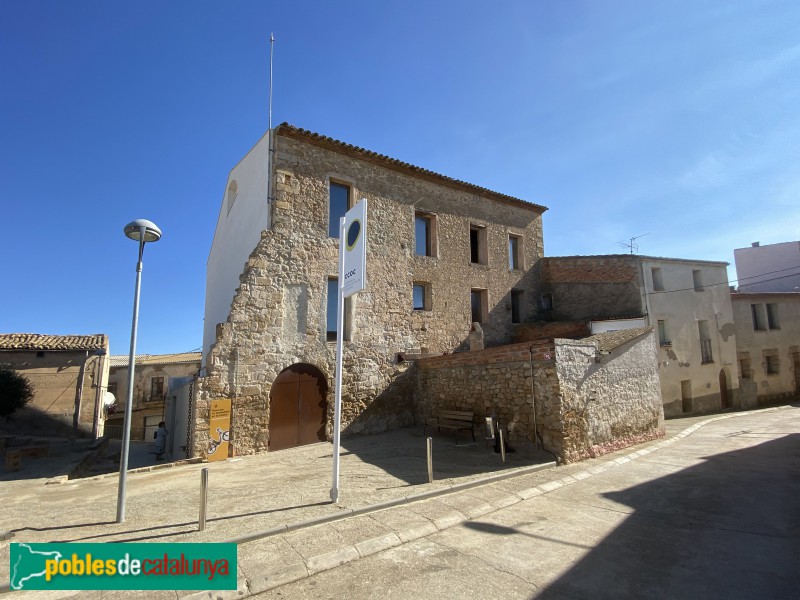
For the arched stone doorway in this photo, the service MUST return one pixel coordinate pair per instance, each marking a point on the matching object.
(723, 389)
(297, 407)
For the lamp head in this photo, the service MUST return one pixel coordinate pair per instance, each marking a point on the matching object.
(134, 230)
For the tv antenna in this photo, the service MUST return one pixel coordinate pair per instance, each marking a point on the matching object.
(631, 244)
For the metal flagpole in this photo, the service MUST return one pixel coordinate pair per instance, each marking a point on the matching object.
(271, 45)
(337, 409)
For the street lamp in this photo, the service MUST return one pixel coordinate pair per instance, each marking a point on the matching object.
(141, 231)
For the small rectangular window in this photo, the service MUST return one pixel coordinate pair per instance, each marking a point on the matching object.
(478, 306)
(424, 235)
(338, 205)
(157, 389)
(477, 245)
(422, 296)
(663, 340)
(773, 364)
(514, 254)
(332, 306)
(745, 369)
(658, 281)
(546, 302)
(697, 278)
(705, 343)
(772, 316)
(758, 319)
(517, 297)
(40, 354)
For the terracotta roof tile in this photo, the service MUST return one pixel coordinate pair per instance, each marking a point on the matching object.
(121, 360)
(291, 131)
(38, 341)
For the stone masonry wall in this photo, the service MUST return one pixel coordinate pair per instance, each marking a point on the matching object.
(583, 408)
(609, 404)
(496, 382)
(278, 315)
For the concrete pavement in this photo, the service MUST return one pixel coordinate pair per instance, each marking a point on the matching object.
(713, 512)
(281, 497)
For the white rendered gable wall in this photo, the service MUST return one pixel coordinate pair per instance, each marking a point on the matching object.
(236, 236)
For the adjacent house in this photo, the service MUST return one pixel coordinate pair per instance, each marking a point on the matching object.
(687, 302)
(442, 254)
(69, 374)
(768, 344)
(151, 380)
(768, 268)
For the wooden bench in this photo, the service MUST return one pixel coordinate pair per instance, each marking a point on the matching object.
(460, 420)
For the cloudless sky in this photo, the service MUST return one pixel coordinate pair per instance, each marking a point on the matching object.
(677, 119)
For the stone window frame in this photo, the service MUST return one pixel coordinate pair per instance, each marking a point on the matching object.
(516, 260)
(350, 184)
(482, 243)
(431, 243)
(348, 308)
(484, 307)
(427, 296)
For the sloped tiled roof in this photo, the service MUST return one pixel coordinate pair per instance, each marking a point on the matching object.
(606, 342)
(291, 131)
(121, 360)
(38, 341)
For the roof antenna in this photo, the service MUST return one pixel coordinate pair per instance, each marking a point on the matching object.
(633, 247)
(271, 46)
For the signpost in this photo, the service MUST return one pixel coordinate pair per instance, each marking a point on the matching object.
(352, 279)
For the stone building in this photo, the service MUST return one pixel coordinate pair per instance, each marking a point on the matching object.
(441, 254)
(688, 303)
(768, 344)
(69, 375)
(151, 382)
(582, 397)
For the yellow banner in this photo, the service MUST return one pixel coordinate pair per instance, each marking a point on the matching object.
(219, 429)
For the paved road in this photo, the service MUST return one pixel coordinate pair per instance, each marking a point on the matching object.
(714, 515)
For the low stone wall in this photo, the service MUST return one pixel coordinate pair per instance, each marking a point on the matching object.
(496, 382)
(586, 403)
(609, 401)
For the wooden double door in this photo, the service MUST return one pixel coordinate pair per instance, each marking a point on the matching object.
(297, 407)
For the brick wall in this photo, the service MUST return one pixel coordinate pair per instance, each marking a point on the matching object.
(529, 332)
(592, 287)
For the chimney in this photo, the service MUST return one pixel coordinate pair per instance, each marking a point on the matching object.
(755, 244)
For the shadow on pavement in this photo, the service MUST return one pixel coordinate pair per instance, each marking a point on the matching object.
(728, 528)
(193, 525)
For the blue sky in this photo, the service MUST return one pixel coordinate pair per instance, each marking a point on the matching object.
(677, 119)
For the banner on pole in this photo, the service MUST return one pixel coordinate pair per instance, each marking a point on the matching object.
(354, 276)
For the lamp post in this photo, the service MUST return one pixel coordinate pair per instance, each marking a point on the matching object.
(141, 231)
